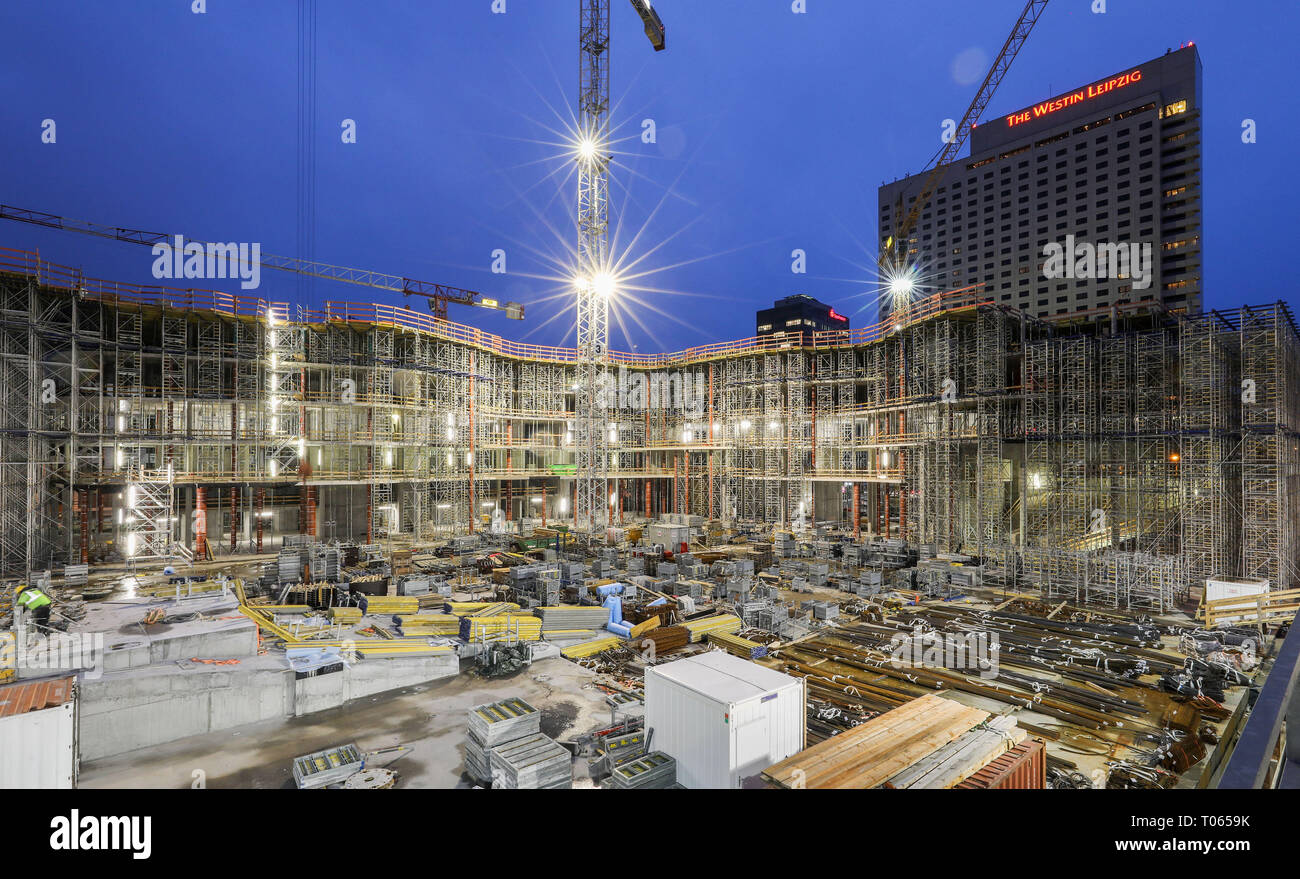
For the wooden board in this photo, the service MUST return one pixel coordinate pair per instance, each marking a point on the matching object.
(872, 753)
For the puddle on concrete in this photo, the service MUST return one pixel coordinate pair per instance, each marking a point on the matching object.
(557, 718)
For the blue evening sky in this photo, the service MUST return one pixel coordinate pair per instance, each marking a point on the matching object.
(774, 130)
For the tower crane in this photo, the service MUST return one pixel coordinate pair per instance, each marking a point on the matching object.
(439, 296)
(595, 282)
(894, 264)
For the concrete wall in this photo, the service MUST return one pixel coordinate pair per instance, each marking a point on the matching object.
(128, 710)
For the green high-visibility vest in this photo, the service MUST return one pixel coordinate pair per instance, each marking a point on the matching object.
(32, 598)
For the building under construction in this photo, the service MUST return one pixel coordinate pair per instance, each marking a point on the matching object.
(1117, 458)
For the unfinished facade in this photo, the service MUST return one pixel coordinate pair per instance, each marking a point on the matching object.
(1120, 458)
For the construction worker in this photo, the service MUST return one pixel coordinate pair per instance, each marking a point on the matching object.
(36, 604)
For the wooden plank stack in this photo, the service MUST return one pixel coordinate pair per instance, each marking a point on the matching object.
(874, 752)
(535, 762)
(738, 646)
(592, 647)
(959, 760)
(666, 639)
(703, 627)
(494, 724)
(525, 628)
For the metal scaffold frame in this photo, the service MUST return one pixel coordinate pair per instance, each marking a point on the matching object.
(969, 427)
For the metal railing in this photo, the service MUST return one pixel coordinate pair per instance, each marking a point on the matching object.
(1278, 703)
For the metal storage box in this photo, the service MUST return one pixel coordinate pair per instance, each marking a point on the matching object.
(722, 718)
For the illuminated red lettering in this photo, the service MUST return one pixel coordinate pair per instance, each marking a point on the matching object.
(1095, 90)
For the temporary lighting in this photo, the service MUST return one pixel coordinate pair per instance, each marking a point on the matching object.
(1175, 457)
(536, 500)
(469, 459)
(613, 499)
(564, 505)
(745, 425)
(604, 285)
(774, 426)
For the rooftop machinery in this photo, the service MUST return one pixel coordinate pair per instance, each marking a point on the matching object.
(596, 282)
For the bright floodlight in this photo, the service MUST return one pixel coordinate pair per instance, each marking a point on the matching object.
(587, 149)
(901, 286)
(604, 285)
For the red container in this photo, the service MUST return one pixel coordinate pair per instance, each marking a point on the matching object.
(1024, 767)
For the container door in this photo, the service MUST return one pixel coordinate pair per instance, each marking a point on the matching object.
(753, 748)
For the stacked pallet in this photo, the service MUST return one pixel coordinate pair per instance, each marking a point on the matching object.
(494, 724)
(874, 752)
(592, 647)
(665, 639)
(738, 646)
(701, 628)
(536, 762)
(654, 771)
(523, 628)
(571, 617)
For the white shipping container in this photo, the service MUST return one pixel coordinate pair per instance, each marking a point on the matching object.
(1221, 587)
(723, 718)
(39, 748)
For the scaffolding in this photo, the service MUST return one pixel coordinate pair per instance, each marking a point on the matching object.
(1118, 460)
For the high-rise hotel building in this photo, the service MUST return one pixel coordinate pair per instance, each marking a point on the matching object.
(1115, 162)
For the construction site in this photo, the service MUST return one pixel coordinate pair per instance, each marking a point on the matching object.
(251, 515)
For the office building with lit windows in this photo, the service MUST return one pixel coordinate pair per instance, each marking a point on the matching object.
(799, 313)
(1114, 162)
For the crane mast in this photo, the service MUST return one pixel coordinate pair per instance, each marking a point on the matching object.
(595, 282)
(591, 445)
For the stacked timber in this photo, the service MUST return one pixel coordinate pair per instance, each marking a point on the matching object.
(346, 615)
(390, 605)
(494, 724)
(701, 628)
(479, 608)
(434, 625)
(738, 646)
(665, 639)
(592, 647)
(871, 754)
(523, 628)
(572, 617)
(535, 762)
